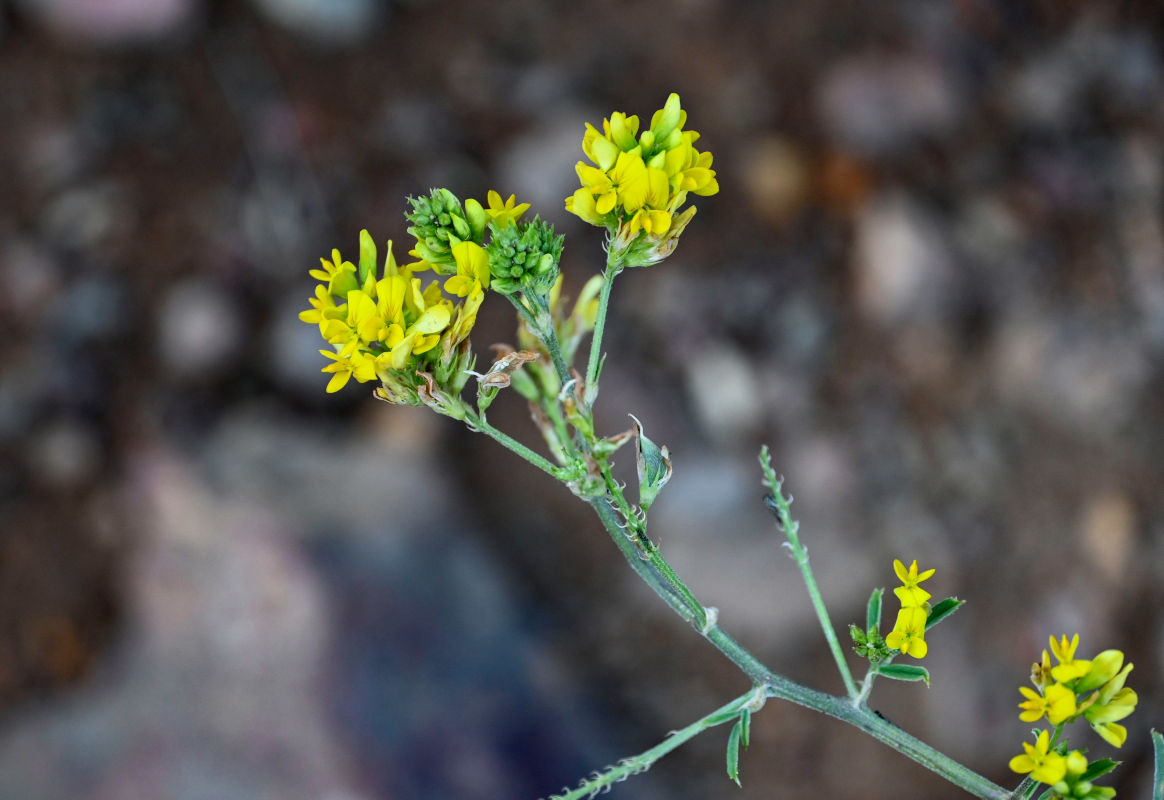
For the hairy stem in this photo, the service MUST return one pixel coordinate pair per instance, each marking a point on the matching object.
(779, 505)
(635, 765)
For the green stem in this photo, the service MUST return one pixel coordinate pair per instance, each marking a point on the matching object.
(613, 267)
(546, 334)
(1158, 778)
(643, 761)
(657, 574)
(777, 685)
(779, 506)
(479, 422)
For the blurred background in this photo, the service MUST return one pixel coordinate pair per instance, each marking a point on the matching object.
(933, 281)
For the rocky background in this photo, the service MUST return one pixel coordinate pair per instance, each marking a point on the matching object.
(933, 281)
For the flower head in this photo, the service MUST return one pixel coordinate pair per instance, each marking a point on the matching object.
(1043, 764)
(637, 182)
(390, 327)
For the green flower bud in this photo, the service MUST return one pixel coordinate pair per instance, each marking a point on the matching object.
(439, 222)
(524, 257)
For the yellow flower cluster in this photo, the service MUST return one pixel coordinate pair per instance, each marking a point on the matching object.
(1089, 688)
(639, 181)
(389, 327)
(909, 631)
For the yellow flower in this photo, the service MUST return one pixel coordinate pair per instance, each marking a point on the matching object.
(909, 593)
(345, 364)
(472, 269)
(1069, 667)
(392, 324)
(908, 634)
(1043, 765)
(339, 275)
(624, 185)
(1112, 702)
(505, 213)
(1058, 704)
(637, 186)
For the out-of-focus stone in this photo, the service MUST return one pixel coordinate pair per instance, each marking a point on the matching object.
(539, 166)
(724, 392)
(902, 268)
(114, 22)
(1107, 531)
(879, 104)
(199, 329)
(776, 178)
(65, 455)
(326, 22)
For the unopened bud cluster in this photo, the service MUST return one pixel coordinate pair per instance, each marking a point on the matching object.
(524, 257)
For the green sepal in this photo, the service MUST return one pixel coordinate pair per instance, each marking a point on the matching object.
(873, 610)
(654, 467)
(367, 257)
(733, 751)
(1098, 768)
(668, 119)
(858, 636)
(905, 672)
(476, 217)
(942, 610)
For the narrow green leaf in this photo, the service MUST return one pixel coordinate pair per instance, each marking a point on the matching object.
(746, 730)
(942, 610)
(873, 610)
(733, 753)
(905, 672)
(1158, 784)
(1096, 768)
(367, 256)
(1047, 795)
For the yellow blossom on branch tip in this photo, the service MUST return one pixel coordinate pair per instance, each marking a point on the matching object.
(1057, 704)
(908, 634)
(1069, 668)
(1044, 765)
(909, 593)
(504, 213)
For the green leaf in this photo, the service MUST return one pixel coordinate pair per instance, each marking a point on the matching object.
(746, 730)
(873, 610)
(367, 256)
(905, 672)
(1047, 795)
(1097, 768)
(1158, 780)
(942, 610)
(654, 467)
(857, 635)
(733, 752)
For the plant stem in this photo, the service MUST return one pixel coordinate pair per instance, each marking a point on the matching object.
(546, 334)
(613, 267)
(1158, 778)
(479, 422)
(661, 577)
(779, 506)
(777, 685)
(643, 761)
